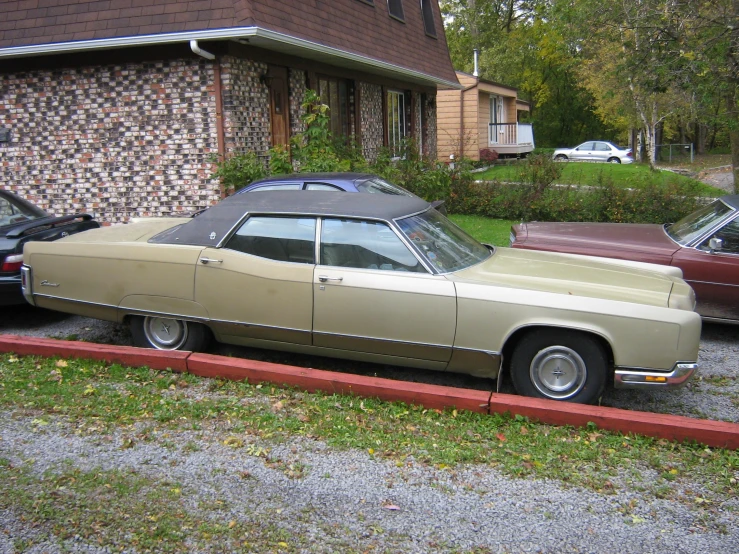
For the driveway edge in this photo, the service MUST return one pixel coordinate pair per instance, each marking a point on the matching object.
(711, 433)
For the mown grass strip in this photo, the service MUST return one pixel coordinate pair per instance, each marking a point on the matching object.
(598, 174)
(97, 397)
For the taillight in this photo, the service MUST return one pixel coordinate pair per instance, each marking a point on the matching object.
(12, 263)
(628, 154)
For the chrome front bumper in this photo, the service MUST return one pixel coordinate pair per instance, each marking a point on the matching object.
(634, 378)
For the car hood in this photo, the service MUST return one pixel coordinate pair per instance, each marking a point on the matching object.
(139, 231)
(573, 275)
(628, 240)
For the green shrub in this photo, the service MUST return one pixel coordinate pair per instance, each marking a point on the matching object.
(239, 170)
(651, 204)
(279, 160)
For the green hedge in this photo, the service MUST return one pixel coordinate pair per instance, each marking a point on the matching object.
(651, 204)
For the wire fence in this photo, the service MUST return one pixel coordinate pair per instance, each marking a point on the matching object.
(674, 152)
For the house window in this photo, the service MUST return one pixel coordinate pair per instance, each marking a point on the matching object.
(427, 11)
(335, 94)
(398, 119)
(395, 7)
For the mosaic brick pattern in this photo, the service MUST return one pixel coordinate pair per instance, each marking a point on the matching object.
(297, 90)
(371, 119)
(116, 141)
(245, 106)
(431, 133)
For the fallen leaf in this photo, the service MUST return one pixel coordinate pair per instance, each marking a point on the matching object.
(61, 363)
(231, 524)
(500, 437)
(524, 431)
(391, 507)
(277, 406)
(233, 442)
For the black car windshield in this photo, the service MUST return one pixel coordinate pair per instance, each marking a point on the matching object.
(445, 246)
(375, 185)
(14, 211)
(698, 223)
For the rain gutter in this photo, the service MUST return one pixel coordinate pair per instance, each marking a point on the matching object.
(263, 37)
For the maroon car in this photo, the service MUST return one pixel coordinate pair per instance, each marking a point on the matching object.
(704, 244)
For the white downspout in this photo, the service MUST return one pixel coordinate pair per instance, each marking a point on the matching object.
(200, 52)
(476, 72)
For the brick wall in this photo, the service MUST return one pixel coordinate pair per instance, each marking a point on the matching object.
(371, 117)
(431, 132)
(297, 90)
(117, 141)
(246, 116)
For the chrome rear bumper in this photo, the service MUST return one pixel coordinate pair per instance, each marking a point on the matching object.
(634, 378)
(26, 284)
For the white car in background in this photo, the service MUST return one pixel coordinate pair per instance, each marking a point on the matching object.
(595, 151)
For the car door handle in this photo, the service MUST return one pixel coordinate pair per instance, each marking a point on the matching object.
(324, 278)
(207, 261)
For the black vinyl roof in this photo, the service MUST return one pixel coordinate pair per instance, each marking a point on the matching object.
(732, 200)
(211, 226)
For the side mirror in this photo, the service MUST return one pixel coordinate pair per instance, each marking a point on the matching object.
(715, 244)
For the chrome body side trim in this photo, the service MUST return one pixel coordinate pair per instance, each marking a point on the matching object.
(638, 378)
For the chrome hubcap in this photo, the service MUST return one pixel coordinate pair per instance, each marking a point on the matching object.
(164, 333)
(558, 372)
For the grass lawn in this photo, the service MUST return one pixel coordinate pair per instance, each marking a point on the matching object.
(594, 174)
(485, 229)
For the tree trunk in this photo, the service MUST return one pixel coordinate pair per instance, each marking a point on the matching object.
(733, 137)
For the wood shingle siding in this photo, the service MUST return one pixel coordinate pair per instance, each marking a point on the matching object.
(348, 25)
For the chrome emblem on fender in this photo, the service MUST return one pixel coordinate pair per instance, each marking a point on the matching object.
(212, 235)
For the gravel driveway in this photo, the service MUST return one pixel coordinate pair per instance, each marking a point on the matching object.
(347, 501)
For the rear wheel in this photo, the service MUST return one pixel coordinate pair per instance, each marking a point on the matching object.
(614, 160)
(560, 157)
(560, 365)
(165, 333)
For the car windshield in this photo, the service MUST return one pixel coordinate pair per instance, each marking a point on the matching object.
(13, 212)
(376, 185)
(699, 222)
(445, 246)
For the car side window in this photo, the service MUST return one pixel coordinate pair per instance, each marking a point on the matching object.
(602, 146)
(729, 234)
(285, 239)
(365, 245)
(321, 186)
(277, 187)
(585, 146)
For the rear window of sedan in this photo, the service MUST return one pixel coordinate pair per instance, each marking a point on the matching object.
(283, 239)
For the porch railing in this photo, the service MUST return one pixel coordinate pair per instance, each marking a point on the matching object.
(510, 134)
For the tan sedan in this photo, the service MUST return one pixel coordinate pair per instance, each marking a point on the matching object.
(380, 279)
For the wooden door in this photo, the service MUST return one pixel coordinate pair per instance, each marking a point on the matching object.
(278, 105)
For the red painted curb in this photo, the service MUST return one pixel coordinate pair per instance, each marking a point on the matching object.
(430, 396)
(719, 434)
(127, 355)
(712, 433)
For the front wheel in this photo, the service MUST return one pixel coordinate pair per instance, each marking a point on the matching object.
(560, 157)
(560, 365)
(614, 160)
(165, 333)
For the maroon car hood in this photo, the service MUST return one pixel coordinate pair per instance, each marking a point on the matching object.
(640, 242)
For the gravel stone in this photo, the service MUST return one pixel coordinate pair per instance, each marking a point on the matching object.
(344, 497)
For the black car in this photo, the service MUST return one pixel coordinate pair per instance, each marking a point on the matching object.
(20, 222)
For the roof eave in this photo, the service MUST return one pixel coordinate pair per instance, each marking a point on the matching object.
(255, 36)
